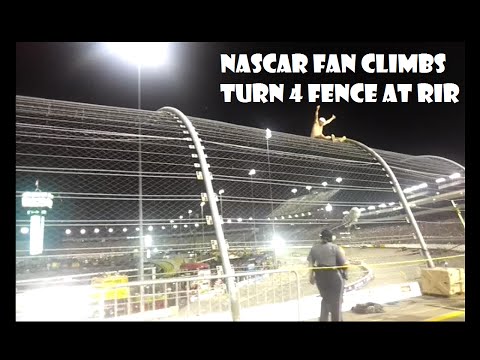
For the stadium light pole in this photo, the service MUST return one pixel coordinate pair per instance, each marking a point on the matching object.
(268, 135)
(142, 54)
(251, 173)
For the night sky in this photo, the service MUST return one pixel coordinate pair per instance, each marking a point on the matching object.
(191, 78)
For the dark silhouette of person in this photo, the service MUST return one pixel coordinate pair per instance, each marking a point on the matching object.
(330, 282)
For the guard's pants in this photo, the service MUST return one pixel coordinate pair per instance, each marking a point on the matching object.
(330, 284)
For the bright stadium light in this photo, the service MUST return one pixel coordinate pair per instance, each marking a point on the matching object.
(391, 203)
(250, 218)
(163, 227)
(221, 191)
(454, 176)
(382, 205)
(308, 187)
(294, 190)
(268, 134)
(68, 231)
(440, 180)
(140, 53)
(328, 208)
(252, 172)
(371, 207)
(303, 214)
(150, 228)
(180, 217)
(196, 225)
(148, 240)
(338, 180)
(175, 226)
(83, 231)
(239, 220)
(137, 229)
(309, 213)
(324, 183)
(283, 217)
(229, 221)
(124, 229)
(190, 211)
(185, 226)
(24, 230)
(296, 215)
(110, 230)
(172, 221)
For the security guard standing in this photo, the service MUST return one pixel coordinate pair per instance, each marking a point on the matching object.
(329, 282)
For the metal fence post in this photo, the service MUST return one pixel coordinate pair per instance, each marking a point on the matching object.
(402, 197)
(217, 221)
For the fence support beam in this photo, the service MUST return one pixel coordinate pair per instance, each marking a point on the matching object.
(403, 199)
(217, 222)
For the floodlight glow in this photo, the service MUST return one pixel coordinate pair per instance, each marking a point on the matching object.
(196, 225)
(163, 227)
(229, 221)
(276, 218)
(309, 213)
(338, 180)
(149, 255)
(221, 191)
(250, 218)
(289, 216)
(148, 240)
(382, 205)
(454, 176)
(83, 231)
(202, 204)
(190, 211)
(137, 229)
(440, 180)
(24, 230)
(150, 228)
(175, 226)
(171, 221)
(308, 187)
(324, 183)
(252, 172)
(296, 215)
(303, 214)
(391, 203)
(283, 217)
(371, 207)
(68, 231)
(294, 190)
(110, 230)
(268, 134)
(239, 220)
(328, 208)
(180, 217)
(96, 230)
(140, 53)
(278, 242)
